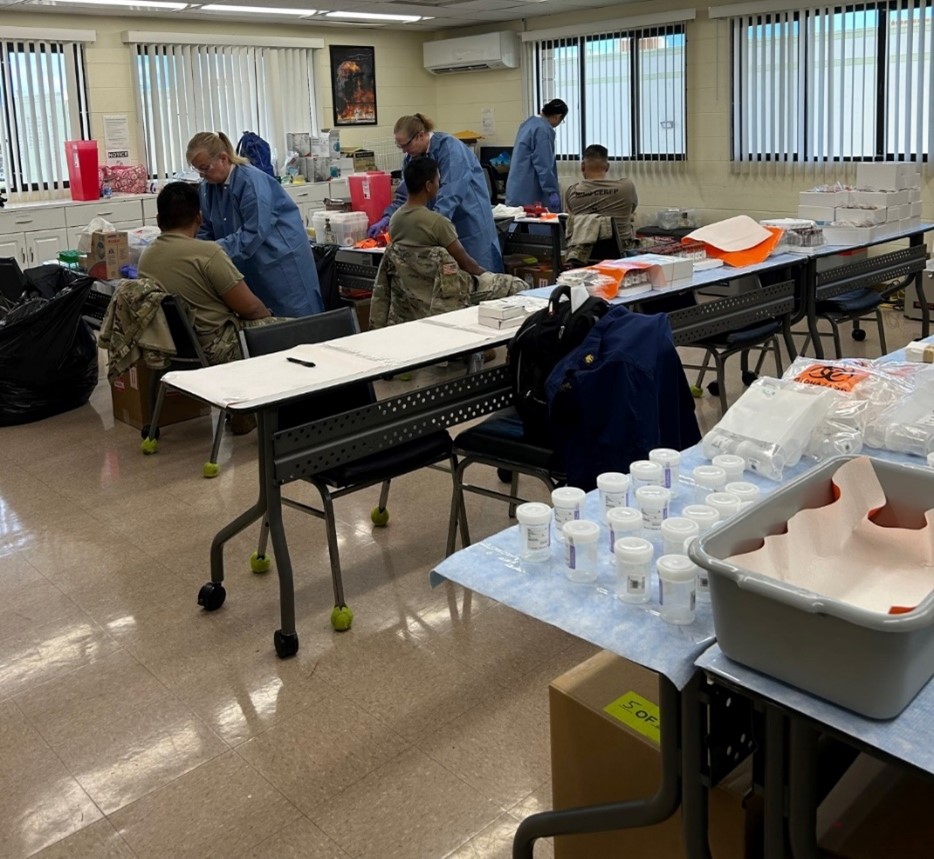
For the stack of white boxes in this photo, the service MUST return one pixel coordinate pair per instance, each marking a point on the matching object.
(889, 195)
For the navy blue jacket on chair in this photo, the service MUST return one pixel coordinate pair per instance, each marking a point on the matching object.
(618, 395)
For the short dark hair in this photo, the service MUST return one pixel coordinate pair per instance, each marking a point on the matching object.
(555, 107)
(177, 205)
(596, 152)
(419, 172)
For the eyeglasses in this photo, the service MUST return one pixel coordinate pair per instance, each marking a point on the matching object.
(407, 142)
(201, 171)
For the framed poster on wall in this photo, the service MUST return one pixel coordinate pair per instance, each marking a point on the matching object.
(353, 84)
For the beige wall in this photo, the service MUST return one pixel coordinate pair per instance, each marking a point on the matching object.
(402, 83)
(707, 181)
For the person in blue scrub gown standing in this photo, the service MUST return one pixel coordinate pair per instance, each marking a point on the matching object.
(533, 173)
(249, 214)
(463, 198)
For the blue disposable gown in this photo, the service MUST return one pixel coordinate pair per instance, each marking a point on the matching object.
(259, 226)
(533, 175)
(464, 198)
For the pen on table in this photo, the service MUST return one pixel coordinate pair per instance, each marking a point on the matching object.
(301, 361)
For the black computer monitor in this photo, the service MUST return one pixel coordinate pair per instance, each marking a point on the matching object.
(498, 156)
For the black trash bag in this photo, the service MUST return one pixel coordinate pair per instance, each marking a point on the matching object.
(48, 355)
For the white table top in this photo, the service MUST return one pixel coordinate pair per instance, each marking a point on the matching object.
(255, 382)
(884, 233)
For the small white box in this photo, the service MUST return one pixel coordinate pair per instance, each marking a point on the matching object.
(914, 195)
(904, 211)
(919, 351)
(887, 176)
(915, 209)
(892, 214)
(500, 308)
(493, 322)
(673, 268)
(882, 199)
(827, 199)
(849, 235)
(818, 214)
(861, 216)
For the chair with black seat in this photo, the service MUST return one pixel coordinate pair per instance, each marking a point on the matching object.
(856, 306)
(381, 467)
(500, 442)
(188, 354)
(737, 323)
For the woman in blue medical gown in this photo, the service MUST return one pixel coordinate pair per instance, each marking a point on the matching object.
(254, 220)
(533, 174)
(464, 197)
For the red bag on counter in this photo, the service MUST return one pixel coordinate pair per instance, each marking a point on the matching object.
(129, 179)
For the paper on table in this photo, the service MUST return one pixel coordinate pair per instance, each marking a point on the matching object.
(852, 550)
(267, 377)
(733, 234)
(411, 343)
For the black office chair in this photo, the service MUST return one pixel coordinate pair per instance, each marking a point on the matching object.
(367, 471)
(765, 313)
(188, 354)
(864, 304)
(489, 172)
(499, 442)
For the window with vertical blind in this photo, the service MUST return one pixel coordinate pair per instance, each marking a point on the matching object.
(842, 83)
(184, 89)
(43, 95)
(625, 90)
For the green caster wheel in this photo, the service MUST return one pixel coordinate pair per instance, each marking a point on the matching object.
(260, 563)
(211, 596)
(697, 391)
(149, 446)
(341, 618)
(210, 469)
(286, 645)
(380, 518)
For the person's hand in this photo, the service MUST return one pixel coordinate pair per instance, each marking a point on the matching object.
(377, 228)
(554, 202)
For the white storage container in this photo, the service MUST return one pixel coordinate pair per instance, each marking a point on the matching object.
(340, 228)
(888, 176)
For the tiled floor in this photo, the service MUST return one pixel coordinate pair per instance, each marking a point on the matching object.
(134, 724)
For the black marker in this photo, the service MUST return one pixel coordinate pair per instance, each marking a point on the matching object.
(301, 361)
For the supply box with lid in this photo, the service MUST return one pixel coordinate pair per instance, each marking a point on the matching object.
(340, 228)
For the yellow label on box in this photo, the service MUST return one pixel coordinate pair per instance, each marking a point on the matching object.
(637, 713)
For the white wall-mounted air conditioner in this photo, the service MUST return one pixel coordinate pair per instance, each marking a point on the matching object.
(472, 53)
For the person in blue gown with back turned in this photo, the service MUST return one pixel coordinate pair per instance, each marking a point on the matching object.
(249, 214)
(463, 198)
(533, 173)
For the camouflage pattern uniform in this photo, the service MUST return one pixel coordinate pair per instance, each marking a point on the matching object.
(415, 282)
(223, 345)
(135, 327)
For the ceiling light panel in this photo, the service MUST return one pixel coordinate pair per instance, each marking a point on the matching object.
(374, 17)
(137, 4)
(255, 10)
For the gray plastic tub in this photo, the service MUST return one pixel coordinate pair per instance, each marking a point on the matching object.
(869, 662)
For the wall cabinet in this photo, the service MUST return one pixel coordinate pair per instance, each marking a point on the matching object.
(309, 198)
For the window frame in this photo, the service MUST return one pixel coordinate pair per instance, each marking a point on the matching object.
(633, 36)
(74, 69)
(810, 75)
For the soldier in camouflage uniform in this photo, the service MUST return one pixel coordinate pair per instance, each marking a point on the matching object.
(426, 270)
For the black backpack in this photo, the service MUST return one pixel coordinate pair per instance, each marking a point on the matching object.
(540, 343)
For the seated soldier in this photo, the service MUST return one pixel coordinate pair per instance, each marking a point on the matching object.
(593, 205)
(426, 270)
(202, 274)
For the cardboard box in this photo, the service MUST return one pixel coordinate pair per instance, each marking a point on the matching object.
(818, 214)
(861, 215)
(111, 249)
(915, 210)
(363, 159)
(848, 235)
(882, 199)
(597, 757)
(541, 274)
(887, 176)
(823, 199)
(877, 810)
(130, 394)
(914, 195)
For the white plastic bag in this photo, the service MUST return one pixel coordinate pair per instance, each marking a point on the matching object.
(96, 225)
(140, 239)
